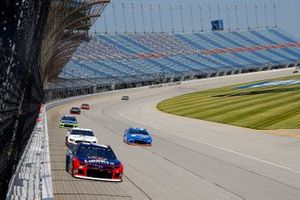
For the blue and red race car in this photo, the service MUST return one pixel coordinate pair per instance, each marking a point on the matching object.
(137, 136)
(93, 161)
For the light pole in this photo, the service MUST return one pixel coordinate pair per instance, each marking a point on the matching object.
(236, 17)
(151, 17)
(192, 18)
(133, 16)
(228, 17)
(275, 16)
(143, 17)
(181, 14)
(171, 16)
(124, 17)
(209, 12)
(247, 17)
(114, 18)
(256, 15)
(105, 24)
(200, 15)
(266, 15)
(219, 16)
(160, 19)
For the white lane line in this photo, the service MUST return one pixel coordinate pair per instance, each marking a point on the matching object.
(217, 147)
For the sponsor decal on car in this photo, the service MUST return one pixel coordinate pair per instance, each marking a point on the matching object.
(101, 162)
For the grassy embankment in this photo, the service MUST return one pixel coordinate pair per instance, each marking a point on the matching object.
(273, 107)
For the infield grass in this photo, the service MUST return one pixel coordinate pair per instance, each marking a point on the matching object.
(273, 107)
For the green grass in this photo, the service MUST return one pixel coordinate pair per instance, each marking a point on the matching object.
(276, 107)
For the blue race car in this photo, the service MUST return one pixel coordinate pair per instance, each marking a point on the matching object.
(138, 136)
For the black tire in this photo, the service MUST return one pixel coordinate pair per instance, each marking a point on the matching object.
(67, 164)
(72, 170)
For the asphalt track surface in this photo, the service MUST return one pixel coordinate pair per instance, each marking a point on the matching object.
(189, 159)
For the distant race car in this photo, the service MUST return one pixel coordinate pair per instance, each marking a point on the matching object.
(125, 97)
(93, 161)
(68, 121)
(137, 136)
(75, 110)
(85, 106)
(77, 135)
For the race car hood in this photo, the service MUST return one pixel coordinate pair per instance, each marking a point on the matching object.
(82, 137)
(97, 162)
(68, 122)
(140, 137)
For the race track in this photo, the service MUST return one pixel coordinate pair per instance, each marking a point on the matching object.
(189, 159)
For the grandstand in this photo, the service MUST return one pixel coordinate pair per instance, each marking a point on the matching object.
(146, 58)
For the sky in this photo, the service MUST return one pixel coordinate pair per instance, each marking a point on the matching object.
(287, 15)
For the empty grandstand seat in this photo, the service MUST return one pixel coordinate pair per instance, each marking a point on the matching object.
(138, 56)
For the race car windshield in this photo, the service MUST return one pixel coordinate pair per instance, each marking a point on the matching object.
(105, 153)
(69, 118)
(75, 108)
(82, 132)
(85, 104)
(139, 132)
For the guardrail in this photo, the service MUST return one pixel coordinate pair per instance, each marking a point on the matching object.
(158, 81)
(32, 178)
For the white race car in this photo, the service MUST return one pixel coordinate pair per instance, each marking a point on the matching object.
(77, 135)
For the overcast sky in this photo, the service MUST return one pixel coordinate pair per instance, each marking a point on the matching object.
(287, 15)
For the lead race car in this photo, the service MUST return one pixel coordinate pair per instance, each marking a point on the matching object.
(137, 136)
(77, 135)
(93, 161)
(85, 106)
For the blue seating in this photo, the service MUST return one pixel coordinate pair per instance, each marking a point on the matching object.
(271, 41)
(225, 40)
(256, 41)
(144, 56)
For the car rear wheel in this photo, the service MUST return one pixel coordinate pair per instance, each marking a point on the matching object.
(67, 164)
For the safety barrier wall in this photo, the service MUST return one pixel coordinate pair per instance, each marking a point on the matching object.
(32, 177)
(61, 93)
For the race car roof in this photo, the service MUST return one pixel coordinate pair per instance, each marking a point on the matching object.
(135, 128)
(93, 144)
(82, 129)
(69, 116)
